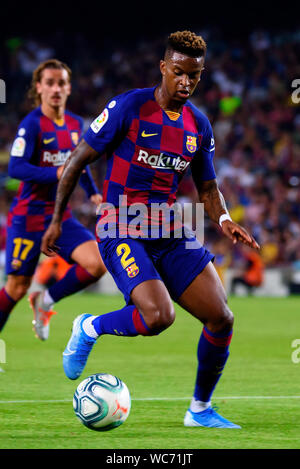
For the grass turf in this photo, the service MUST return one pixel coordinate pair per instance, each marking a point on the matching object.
(36, 397)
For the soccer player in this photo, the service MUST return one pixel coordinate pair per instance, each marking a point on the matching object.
(45, 139)
(150, 136)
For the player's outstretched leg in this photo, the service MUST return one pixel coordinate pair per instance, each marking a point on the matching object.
(205, 298)
(78, 348)
(126, 322)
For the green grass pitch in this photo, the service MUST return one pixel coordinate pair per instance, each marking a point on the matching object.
(259, 388)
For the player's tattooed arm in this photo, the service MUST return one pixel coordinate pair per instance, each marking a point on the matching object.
(215, 206)
(77, 161)
(212, 198)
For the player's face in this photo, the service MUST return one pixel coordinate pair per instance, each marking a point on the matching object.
(181, 74)
(54, 87)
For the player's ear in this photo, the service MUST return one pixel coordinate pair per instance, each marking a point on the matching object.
(162, 66)
(38, 87)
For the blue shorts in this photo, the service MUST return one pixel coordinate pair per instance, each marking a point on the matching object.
(133, 261)
(23, 248)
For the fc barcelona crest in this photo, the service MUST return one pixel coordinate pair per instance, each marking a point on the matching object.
(191, 144)
(16, 264)
(74, 137)
(132, 270)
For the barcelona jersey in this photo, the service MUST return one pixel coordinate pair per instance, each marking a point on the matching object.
(40, 146)
(148, 149)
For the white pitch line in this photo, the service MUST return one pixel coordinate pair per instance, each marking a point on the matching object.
(213, 398)
(57, 401)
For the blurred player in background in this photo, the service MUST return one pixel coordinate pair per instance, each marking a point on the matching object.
(252, 274)
(45, 139)
(150, 137)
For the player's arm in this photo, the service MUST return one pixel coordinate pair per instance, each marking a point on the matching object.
(75, 164)
(87, 182)
(204, 176)
(20, 166)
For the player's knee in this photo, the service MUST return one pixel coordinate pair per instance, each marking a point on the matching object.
(17, 287)
(228, 318)
(21, 291)
(95, 268)
(225, 319)
(160, 318)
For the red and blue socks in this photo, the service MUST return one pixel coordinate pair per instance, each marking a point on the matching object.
(212, 353)
(6, 305)
(126, 322)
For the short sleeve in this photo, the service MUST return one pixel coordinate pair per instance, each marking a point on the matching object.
(110, 124)
(202, 164)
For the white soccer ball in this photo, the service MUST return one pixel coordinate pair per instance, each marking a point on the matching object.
(102, 402)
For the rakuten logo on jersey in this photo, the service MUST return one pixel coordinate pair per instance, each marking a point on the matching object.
(163, 161)
(57, 159)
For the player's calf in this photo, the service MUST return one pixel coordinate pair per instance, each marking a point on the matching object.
(15, 289)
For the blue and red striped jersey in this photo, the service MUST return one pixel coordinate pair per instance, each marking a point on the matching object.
(40, 146)
(148, 149)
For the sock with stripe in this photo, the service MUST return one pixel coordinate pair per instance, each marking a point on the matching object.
(75, 280)
(6, 305)
(213, 352)
(127, 322)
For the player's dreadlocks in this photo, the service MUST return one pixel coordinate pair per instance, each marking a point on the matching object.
(37, 76)
(187, 43)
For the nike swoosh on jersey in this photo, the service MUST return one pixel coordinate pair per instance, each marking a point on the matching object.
(48, 140)
(147, 135)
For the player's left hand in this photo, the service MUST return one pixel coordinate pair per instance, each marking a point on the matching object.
(96, 199)
(237, 233)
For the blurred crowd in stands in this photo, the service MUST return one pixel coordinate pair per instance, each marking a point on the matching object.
(246, 92)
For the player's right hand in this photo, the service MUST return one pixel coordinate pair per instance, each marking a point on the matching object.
(48, 245)
(237, 233)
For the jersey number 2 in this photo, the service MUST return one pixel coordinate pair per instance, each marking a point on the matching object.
(124, 250)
